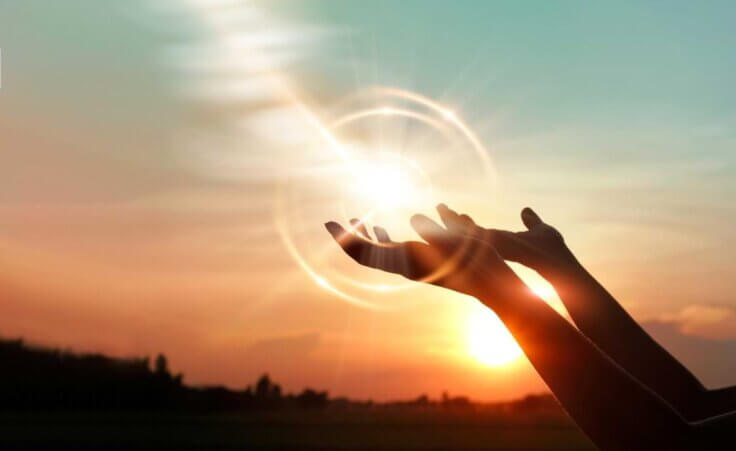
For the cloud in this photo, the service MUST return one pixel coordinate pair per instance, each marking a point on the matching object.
(707, 321)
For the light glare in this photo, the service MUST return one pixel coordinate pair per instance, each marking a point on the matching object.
(489, 342)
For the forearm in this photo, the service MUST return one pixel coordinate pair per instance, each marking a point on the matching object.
(717, 402)
(713, 434)
(605, 322)
(615, 410)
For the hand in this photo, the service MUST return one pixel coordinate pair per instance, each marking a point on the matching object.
(541, 247)
(450, 259)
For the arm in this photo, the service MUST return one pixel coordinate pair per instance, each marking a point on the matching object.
(616, 411)
(601, 318)
(610, 406)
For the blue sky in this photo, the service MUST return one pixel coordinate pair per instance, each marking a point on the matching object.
(616, 117)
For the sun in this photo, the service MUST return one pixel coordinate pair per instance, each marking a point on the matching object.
(384, 184)
(489, 342)
(387, 181)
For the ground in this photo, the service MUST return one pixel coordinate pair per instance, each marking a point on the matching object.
(330, 429)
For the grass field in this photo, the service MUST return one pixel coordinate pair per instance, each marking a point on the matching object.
(329, 429)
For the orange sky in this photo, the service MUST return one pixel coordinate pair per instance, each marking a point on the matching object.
(137, 210)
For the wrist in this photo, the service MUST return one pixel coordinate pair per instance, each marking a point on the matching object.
(570, 277)
(495, 290)
(564, 267)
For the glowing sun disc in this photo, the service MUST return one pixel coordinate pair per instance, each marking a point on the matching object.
(388, 182)
(489, 342)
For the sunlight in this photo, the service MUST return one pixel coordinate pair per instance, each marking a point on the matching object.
(544, 290)
(540, 287)
(489, 342)
(388, 182)
(383, 155)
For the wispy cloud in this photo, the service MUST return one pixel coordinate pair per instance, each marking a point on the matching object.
(716, 322)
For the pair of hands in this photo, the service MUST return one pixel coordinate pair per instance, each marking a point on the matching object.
(460, 256)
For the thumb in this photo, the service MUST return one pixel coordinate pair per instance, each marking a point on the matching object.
(530, 219)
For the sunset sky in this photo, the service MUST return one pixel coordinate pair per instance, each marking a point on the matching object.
(149, 151)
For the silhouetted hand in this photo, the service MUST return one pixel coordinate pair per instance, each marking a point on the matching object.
(453, 259)
(540, 247)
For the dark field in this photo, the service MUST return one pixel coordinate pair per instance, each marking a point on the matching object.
(53, 399)
(328, 429)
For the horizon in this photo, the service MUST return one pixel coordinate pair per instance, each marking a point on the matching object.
(142, 179)
(160, 365)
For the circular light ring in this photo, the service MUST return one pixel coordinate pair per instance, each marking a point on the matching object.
(392, 111)
(446, 117)
(316, 277)
(381, 288)
(445, 113)
(388, 111)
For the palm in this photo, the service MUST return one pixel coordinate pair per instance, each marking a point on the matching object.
(541, 247)
(451, 260)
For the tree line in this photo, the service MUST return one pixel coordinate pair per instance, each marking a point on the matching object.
(35, 378)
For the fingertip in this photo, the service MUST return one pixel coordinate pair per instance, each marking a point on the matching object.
(381, 234)
(418, 220)
(334, 228)
(529, 217)
(420, 223)
(359, 226)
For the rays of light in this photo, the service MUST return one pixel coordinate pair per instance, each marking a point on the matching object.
(243, 70)
(488, 340)
(240, 60)
(318, 279)
(381, 179)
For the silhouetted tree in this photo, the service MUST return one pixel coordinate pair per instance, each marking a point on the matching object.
(422, 400)
(35, 379)
(275, 392)
(311, 399)
(461, 402)
(162, 365)
(531, 403)
(263, 387)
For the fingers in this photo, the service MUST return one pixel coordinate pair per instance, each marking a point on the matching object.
(351, 244)
(448, 216)
(360, 228)
(454, 222)
(381, 234)
(511, 245)
(508, 244)
(530, 219)
(387, 256)
(362, 250)
(431, 232)
(466, 219)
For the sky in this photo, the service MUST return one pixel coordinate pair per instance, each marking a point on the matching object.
(151, 152)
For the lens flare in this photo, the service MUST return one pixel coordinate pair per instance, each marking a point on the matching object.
(391, 153)
(388, 182)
